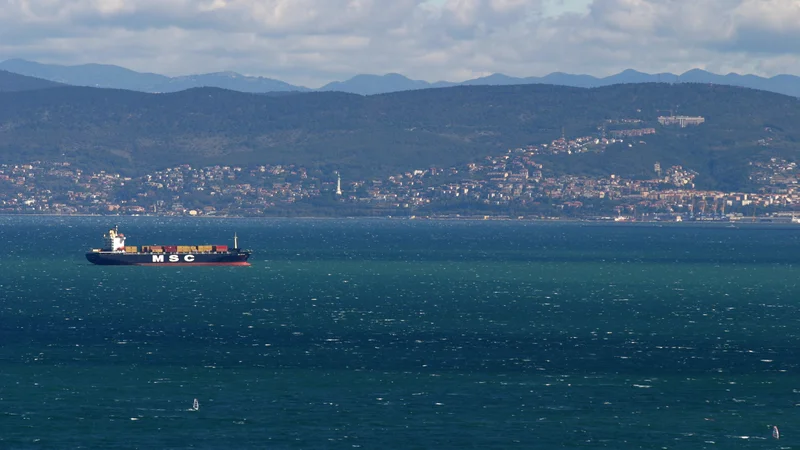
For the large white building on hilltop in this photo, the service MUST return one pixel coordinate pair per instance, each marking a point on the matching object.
(683, 121)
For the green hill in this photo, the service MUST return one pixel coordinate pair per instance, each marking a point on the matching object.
(369, 136)
(12, 82)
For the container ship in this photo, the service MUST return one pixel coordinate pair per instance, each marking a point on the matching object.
(115, 253)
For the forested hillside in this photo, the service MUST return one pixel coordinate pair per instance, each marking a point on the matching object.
(11, 82)
(375, 135)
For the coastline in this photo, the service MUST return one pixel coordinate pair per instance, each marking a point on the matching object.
(477, 218)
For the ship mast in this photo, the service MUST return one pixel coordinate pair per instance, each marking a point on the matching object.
(235, 241)
(114, 240)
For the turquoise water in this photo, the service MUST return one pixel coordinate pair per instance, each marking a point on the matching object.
(402, 334)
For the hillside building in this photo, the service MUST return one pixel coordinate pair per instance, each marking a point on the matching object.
(682, 121)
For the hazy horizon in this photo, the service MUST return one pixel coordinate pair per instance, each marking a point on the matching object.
(347, 77)
(312, 42)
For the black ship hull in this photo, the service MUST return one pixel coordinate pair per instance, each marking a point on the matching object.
(105, 258)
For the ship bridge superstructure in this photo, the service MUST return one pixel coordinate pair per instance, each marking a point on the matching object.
(114, 241)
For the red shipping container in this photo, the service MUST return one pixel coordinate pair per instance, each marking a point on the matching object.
(221, 248)
(171, 248)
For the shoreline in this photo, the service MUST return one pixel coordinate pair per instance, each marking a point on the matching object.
(480, 218)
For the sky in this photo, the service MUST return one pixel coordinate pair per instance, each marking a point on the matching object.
(312, 42)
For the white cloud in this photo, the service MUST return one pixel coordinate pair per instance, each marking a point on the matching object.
(314, 41)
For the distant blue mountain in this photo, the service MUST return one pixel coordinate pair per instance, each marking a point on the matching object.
(565, 79)
(229, 80)
(93, 75)
(497, 79)
(14, 82)
(372, 84)
(108, 76)
(376, 84)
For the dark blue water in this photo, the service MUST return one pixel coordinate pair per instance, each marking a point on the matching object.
(402, 334)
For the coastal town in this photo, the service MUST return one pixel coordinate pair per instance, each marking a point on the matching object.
(513, 185)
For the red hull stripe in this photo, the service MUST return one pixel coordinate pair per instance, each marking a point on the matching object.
(237, 263)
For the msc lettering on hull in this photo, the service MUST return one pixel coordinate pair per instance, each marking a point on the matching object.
(173, 258)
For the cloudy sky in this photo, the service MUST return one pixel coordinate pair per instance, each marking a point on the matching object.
(310, 42)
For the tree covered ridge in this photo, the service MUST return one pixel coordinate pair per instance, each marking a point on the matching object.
(368, 136)
(11, 82)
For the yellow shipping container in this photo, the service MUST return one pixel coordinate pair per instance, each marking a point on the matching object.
(184, 249)
(130, 249)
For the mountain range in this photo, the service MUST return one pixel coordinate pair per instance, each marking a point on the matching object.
(371, 136)
(115, 77)
(12, 82)
(109, 76)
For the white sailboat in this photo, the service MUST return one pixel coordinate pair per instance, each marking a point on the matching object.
(195, 405)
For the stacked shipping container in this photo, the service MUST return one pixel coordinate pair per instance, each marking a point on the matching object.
(180, 249)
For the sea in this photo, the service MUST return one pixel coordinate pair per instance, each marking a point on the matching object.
(402, 334)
